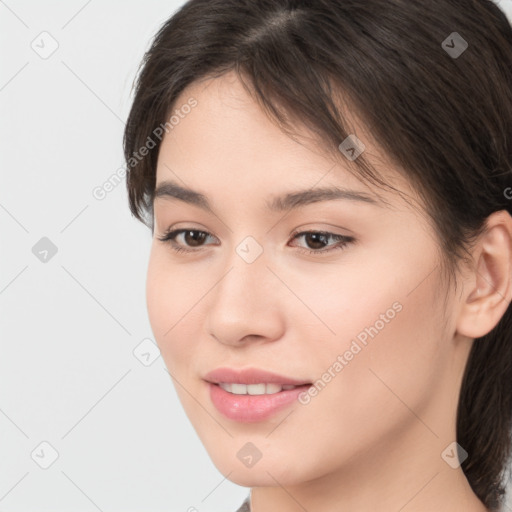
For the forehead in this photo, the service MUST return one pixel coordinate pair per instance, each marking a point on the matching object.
(228, 127)
(228, 139)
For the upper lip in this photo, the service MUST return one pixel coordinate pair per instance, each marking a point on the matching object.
(250, 376)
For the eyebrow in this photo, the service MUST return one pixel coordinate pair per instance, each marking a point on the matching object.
(291, 200)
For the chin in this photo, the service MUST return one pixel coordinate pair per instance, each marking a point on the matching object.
(253, 477)
(263, 473)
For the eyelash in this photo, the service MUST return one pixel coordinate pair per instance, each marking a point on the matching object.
(170, 235)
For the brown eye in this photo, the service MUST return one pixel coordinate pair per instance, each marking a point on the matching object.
(192, 238)
(317, 240)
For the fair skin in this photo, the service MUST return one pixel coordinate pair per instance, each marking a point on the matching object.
(372, 439)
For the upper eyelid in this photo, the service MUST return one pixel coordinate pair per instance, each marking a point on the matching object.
(294, 233)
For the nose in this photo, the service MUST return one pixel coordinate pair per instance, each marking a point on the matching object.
(246, 304)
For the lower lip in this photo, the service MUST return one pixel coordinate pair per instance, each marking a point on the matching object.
(252, 408)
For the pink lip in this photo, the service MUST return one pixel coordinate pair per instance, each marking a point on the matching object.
(250, 376)
(252, 408)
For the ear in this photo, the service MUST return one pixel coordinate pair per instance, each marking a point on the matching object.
(489, 293)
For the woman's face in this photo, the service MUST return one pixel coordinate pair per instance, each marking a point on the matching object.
(364, 315)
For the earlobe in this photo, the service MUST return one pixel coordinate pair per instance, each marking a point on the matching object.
(490, 292)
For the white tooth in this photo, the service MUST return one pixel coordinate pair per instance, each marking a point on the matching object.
(288, 386)
(239, 389)
(256, 389)
(225, 386)
(273, 388)
(253, 389)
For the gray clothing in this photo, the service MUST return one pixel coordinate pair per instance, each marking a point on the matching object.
(246, 505)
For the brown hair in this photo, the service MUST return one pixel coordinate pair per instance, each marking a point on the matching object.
(445, 119)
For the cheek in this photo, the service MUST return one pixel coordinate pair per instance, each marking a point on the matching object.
(386, 329)
(409, 362)
(169, 296)
(389, 368)
(369, 401)
(358, 299)
(158, 294)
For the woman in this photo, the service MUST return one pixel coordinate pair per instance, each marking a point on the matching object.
(329, 187)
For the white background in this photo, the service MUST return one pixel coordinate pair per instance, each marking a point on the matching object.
(69, 326)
